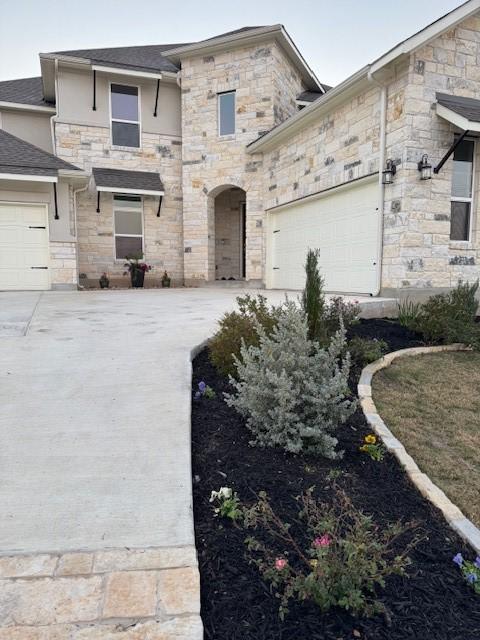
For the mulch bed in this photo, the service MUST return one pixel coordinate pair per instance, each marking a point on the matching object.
(433, 603)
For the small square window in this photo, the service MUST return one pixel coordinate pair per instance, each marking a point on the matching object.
(226, 113)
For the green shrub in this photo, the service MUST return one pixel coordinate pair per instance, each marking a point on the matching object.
(408, 313)
(450, 317)
(339, 310)
(238, 325)
(324, 318)
(292, 392)
(313, 299)
(334, 556)
(363, 351)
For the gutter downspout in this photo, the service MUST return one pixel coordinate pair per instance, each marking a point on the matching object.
(75, 191)
(381, 186)
(54, 117)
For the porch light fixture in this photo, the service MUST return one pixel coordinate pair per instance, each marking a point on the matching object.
(425, 168)
(389, 172)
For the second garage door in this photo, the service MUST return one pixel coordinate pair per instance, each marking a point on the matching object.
(24, 254)
(342, 224)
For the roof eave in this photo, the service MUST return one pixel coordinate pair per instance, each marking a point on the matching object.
(432, 31)
(457, 119)
(214, 45)
(27, 107)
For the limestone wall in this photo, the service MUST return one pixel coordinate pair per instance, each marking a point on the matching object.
(88, 147)
(211, 162)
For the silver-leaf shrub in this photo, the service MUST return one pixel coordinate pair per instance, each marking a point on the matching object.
(293, 393)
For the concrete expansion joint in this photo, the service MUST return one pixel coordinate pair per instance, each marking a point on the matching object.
(452, 514)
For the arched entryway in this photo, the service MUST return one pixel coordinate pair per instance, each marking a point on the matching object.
(229, 204)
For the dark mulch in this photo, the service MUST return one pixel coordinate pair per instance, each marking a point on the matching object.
(432, 604)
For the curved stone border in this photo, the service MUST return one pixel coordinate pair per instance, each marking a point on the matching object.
(455, 518)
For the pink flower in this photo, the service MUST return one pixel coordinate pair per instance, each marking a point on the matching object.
(324, 541)
(280, 563)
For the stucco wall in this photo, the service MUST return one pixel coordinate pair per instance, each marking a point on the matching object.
(28, 126)
(211, 161)
(75, 99)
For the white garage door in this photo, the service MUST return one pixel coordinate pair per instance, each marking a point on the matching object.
(24, 254)
(343, 225)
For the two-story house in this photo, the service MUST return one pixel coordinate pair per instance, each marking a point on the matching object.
(226, 159)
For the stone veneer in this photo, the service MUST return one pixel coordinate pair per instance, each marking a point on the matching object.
(121, 594)
(63, 265)
(87, 147)
(344, 144)
(212, 163)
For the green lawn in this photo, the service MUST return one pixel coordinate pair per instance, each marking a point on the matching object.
(431, 404)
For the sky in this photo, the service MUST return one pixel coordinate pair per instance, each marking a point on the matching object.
(336, 37)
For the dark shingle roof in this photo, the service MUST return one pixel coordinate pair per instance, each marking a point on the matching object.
(311, 96)
(124, 179)
(23, 91)
(145, 58)
(18, 156)
(467, 107)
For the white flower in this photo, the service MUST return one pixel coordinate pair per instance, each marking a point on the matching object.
(223, 494)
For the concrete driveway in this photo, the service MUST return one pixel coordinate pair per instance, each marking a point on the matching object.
(95, 475)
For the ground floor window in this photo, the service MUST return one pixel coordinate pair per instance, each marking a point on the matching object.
(128, 225)
(462, 191)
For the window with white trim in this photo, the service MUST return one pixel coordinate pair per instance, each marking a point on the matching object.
(462, 191)
(128, 226)
(226, 113)
(125, 115)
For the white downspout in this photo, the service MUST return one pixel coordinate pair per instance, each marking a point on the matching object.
(75, 191)
(54, 117)
(381, 186)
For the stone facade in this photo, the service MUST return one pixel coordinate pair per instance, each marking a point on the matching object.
(418, 253)
(212, 163)
(87, 147)
(63, 265)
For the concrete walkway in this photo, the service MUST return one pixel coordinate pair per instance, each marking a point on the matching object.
(95, 455)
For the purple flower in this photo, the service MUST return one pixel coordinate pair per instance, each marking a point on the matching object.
(197, 397)
(458, 559)
(471, 578)
(202, 386)
(477, 562)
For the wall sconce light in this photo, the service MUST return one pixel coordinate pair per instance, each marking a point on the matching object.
(389, 172)
(425, 168)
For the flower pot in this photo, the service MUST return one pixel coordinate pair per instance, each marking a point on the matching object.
(137, 277)
(166, 282)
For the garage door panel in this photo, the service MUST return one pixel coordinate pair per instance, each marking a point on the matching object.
(23, 247)
(344, 226)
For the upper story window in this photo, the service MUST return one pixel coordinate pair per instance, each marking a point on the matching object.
(462, 191)
(125, 115)
(226, 113)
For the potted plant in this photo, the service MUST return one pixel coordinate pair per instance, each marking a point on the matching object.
(104, 281)
(137, 270)
(166, 280)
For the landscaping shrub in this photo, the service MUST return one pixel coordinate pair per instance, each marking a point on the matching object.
(238, 325)
(293, 393)
(334, 556)
(408, 313)
(450, 317)
(313, 299)
(339, 310)
(363, 351)
(324, 319)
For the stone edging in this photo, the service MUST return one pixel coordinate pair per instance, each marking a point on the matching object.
(455, 518)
